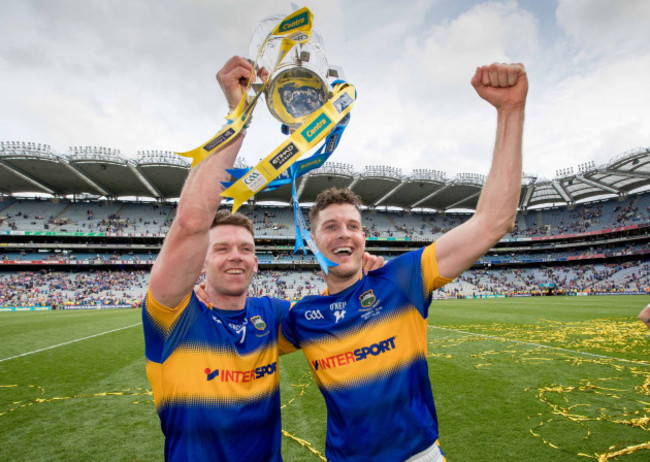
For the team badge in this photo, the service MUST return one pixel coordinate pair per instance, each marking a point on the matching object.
(258, 322)
(367, 298)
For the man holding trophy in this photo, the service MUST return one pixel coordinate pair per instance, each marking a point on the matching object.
(367, 350)
(212, 355)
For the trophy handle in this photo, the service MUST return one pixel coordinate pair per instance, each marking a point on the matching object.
(335, 73)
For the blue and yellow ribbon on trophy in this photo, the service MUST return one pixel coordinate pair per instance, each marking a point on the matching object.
(297, 97)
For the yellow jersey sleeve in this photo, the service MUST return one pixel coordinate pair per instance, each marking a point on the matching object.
(431, 279)
(162, 316)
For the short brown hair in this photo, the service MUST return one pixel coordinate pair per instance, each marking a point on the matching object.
(226, 217)
(333, 196)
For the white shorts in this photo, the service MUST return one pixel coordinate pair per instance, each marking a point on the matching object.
(430, 454)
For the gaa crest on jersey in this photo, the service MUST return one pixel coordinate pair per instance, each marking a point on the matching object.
(258, 322)
(367, 298)
(312, 315)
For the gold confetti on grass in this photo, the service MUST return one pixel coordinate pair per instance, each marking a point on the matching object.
(40, 399)
(622, 452)
(304, 382)
(613, 336)
(304, 444)
(593, 404)
(580, 405)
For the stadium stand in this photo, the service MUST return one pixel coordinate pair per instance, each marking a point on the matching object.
(78, 245)
(66, 290)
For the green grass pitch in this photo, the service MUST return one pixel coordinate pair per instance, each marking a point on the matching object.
(518, 379)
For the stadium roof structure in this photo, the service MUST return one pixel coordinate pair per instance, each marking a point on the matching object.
(27, 167)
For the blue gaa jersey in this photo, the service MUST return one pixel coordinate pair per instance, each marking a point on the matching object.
(367, 348)
(215, 379)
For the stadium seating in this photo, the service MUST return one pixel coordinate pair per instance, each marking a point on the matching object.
(116, 274)
(154, 218)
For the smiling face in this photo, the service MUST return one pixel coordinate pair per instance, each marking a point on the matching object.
(230, 262)
(338, 234)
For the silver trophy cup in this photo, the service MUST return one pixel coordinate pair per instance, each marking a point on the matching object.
(298, 84)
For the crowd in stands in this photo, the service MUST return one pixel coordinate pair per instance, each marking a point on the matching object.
(114, 223)
(111, 256)
(127, 288)
(290, 285)
(74, 257)
(266, 221)
(590, 279)
(584, 218)
(90, 217)
(63, 290)
(155, 218)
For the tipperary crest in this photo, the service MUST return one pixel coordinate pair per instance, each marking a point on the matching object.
(258, 322)
(367, 298)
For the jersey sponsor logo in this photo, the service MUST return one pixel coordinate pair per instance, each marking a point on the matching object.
(359, 354)
(231, 375)
(258, 322)
(367, 298)
(312, 315)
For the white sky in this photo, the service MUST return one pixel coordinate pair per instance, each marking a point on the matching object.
(140, 75)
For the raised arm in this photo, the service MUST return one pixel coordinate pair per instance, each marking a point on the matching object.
(183, 253)
(505, 87)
